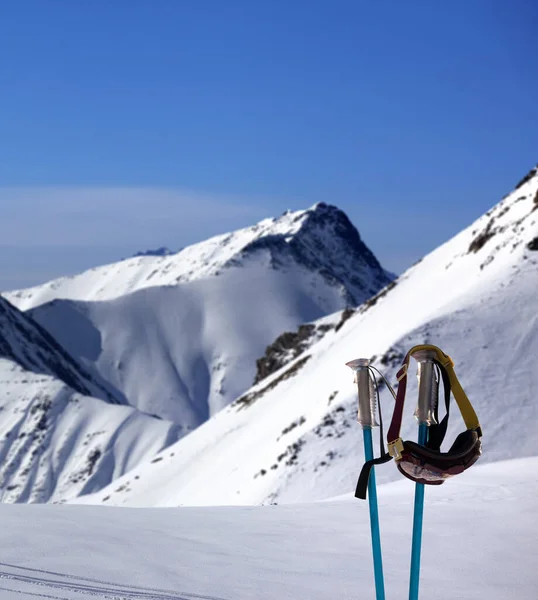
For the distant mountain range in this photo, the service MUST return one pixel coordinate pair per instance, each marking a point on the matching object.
(172, 338)
(162, 251)
(216, 375)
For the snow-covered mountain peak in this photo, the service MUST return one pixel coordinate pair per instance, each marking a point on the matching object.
(320, 239)
(179, 335)
(291, 222)
(319, 219)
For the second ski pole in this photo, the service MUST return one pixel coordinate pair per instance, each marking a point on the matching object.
(427, 400)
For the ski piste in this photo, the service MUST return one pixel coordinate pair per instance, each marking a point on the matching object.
(422, 462)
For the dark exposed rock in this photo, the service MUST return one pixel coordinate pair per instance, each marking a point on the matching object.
(251, 397)
(527, 177)
(333, 424)
(89, 467)
(392, 357)
(93, 457)
(488, 261)
(292, 426)
(329, 244)
(533, 244)
(286, 348)
(332, 397)
(291, 454)
(162, 251)
(482, 238)
(347, 313)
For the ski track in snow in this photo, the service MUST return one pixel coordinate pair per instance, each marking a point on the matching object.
(479, 541)
(30, 580)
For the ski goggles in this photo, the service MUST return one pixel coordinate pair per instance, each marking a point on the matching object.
(427, 466)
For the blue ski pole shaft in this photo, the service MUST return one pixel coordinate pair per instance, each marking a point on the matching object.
(417, 525)
(366, 417)
(374, 518)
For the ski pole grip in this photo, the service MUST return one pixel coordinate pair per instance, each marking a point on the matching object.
(427, 388)
(367, 401)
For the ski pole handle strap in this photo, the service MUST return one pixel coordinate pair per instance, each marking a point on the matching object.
(362, 483)
(395, 425)
(466, 409)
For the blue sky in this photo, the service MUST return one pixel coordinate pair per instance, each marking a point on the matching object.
(133, 124)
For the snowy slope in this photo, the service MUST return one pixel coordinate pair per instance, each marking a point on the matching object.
(293, 437)
(25, 342)
(315, 551)
(55, 442)
(55, 439)
(184, 352)
(178, 335)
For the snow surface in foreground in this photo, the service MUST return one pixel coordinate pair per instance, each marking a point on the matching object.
(480, 541)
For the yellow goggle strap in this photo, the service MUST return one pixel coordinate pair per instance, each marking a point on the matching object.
(465, 406)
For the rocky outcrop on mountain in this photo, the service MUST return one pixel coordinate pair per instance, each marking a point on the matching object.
(323, 239)
(288, 346)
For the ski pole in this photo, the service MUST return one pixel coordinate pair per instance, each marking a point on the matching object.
(427, 399)
(366, 417)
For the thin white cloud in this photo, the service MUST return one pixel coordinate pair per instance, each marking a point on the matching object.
(119, 216)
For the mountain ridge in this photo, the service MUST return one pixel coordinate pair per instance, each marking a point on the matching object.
(26, 342)
(179, 335)
(312, 227)
(293, 438)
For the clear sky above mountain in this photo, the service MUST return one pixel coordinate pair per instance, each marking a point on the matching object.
(132, 124)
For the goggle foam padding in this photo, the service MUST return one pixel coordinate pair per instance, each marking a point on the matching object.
(432, 467)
